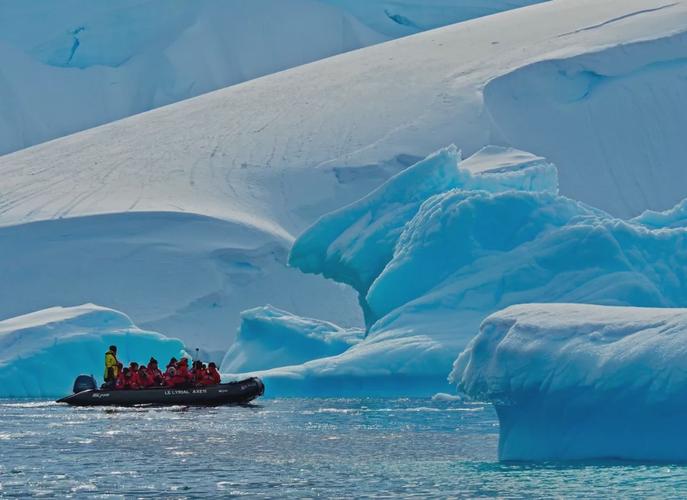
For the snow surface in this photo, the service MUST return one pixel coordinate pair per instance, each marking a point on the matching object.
(499, 237)
(249, 149)
(74, 64)
(395, 18)
(573, 381)
(270, 337)
(43, 352)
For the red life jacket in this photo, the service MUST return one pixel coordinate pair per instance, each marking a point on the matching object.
(155, 375)
(121, 381)
(214, 376)
(169, 376)
(199, 376)
(134, 382)
(182, 372)
(180, 377)
(144, 379)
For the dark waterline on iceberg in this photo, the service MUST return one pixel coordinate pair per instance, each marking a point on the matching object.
(290, 447)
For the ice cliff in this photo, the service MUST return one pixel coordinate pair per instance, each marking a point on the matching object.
(572, 381)
(41, 353)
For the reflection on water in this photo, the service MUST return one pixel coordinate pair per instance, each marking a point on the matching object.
(291, 447)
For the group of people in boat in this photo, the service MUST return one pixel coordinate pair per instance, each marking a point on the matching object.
(176, 374)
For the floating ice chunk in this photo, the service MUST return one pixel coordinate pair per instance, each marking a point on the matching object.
(573, 381)
(41, 353)
(269, 337)
(443, 396)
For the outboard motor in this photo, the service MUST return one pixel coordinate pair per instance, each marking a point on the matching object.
(84, 383)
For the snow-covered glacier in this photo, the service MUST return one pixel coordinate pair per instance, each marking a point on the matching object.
(41, 353)
(72, 65)
(444, 244)
(75, 64)
(573, 381)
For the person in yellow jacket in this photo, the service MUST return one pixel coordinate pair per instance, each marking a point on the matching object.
(111, 366)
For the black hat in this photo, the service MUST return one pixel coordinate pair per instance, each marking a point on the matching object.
(113, 348)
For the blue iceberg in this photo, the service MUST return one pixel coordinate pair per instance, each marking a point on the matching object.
(41, 353)
(572, 381)
(446, 243)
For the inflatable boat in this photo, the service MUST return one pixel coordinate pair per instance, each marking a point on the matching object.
(232, 393)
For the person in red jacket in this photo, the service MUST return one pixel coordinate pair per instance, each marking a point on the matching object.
(213, 375)
(168, 377)
(134, 381)
(154, 372)
(182, 376)
(144, 378)
(122, 379)
(199, 373)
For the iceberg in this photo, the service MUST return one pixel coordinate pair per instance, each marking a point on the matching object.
(41, 353)
(431, 258)
(269, 337)
(354, 244)
(573, 381)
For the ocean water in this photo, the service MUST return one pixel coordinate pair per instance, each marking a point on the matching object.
(292, 448)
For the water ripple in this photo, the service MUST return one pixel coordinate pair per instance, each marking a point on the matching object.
(291, 448)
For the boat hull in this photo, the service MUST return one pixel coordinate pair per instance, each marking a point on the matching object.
(236, 393)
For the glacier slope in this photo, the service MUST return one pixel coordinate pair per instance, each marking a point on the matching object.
(572, 381)
(75, 64)
(41, 353)
(249, 149)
